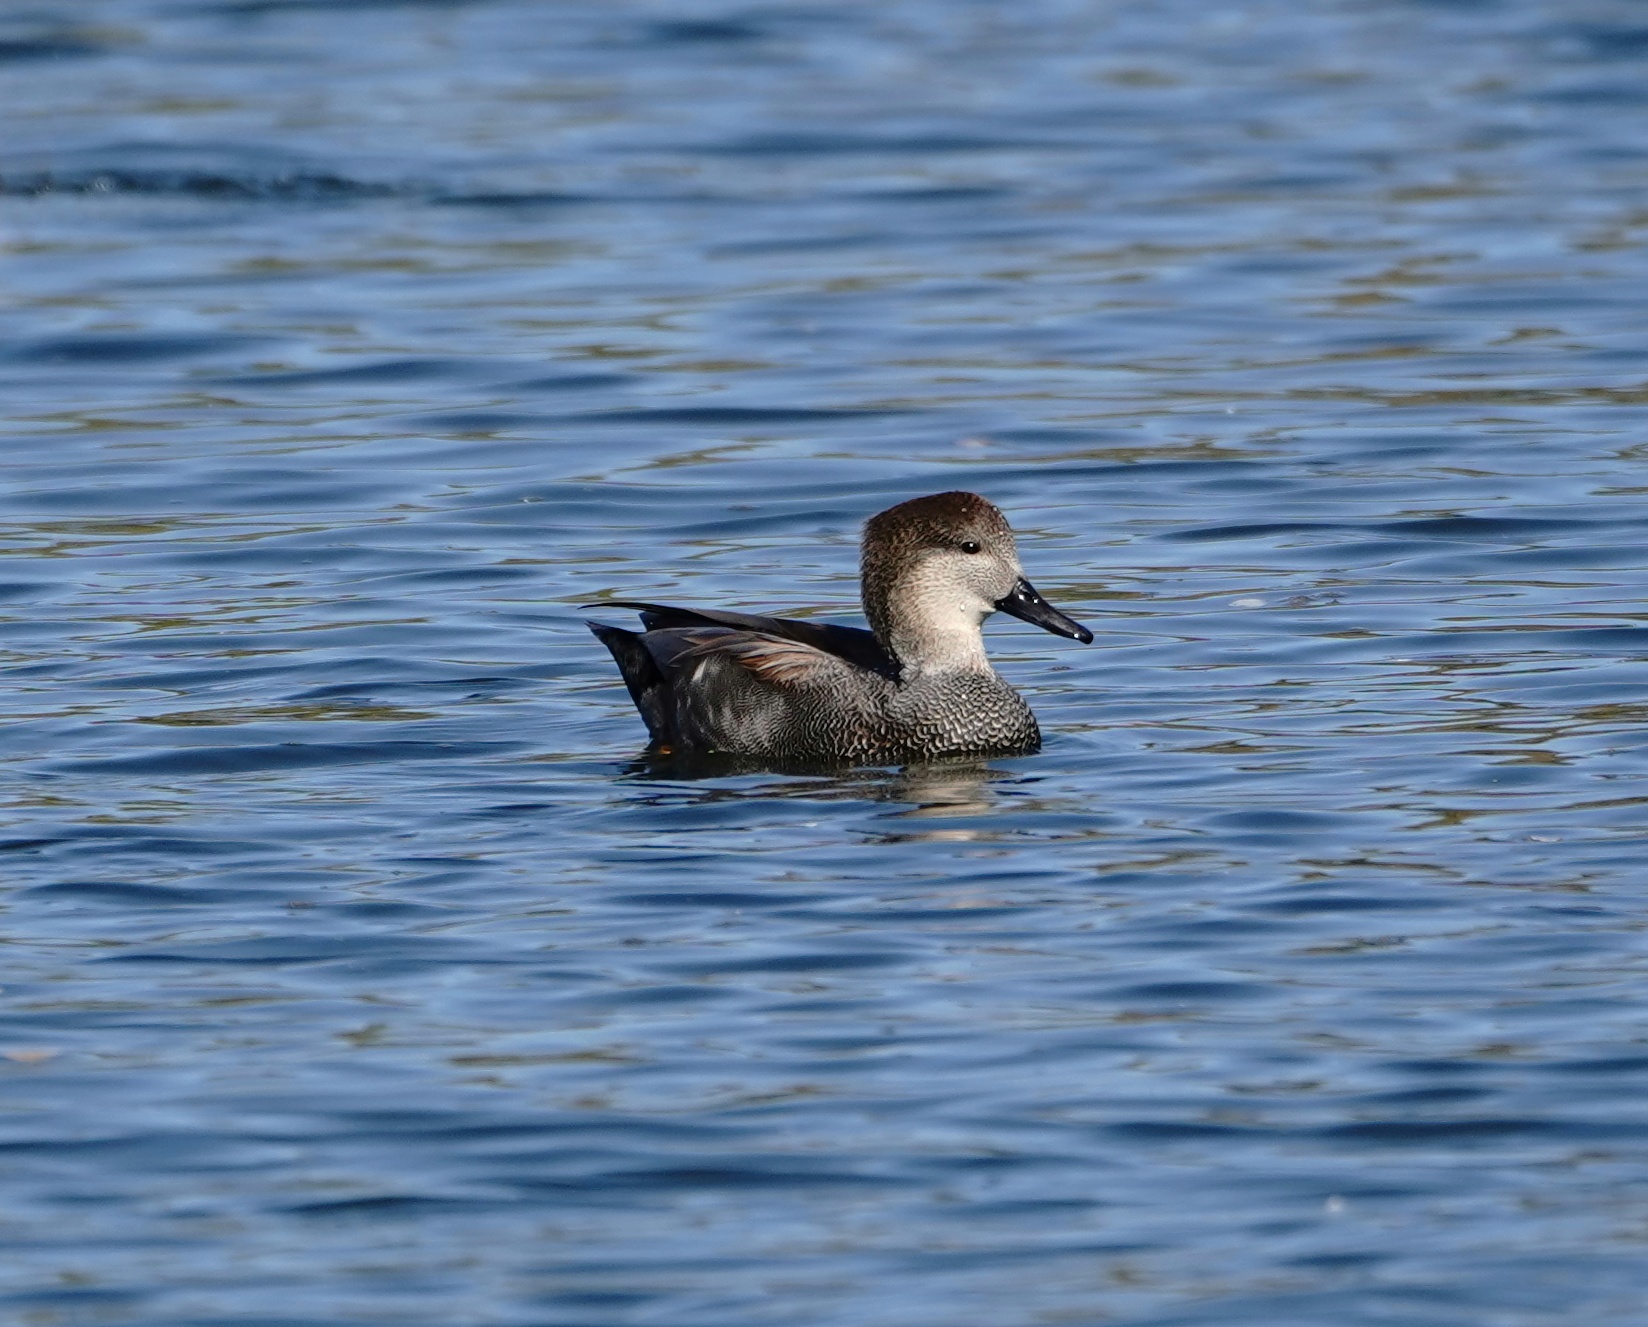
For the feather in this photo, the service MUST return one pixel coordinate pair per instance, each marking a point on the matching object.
(857, 646)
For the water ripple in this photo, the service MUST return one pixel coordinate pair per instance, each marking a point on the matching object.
(355, 946)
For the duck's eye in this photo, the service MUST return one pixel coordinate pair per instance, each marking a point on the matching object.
(972, 546)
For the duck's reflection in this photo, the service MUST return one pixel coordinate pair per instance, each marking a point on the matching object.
(943, 790)
(952, 791)
(948, 789)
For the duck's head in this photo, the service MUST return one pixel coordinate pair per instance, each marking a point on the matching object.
(934, 568)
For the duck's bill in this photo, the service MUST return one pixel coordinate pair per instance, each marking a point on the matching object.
(1026, 604)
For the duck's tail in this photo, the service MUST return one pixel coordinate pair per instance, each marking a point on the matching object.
(648, 687)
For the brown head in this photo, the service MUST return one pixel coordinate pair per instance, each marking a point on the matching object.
(934, 568)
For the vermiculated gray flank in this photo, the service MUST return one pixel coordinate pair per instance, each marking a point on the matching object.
(917, 685)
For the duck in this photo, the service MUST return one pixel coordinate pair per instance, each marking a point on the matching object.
(916, 686)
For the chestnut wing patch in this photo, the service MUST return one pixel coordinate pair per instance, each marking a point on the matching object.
(776, 661)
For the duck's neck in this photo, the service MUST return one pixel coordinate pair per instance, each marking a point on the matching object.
(940, 654)
(930, 636)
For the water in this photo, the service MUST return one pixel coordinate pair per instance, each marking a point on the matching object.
(356, 971)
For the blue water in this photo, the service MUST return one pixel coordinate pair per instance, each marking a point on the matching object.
(356, 971)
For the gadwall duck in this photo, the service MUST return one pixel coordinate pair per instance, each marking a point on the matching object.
(914, 686)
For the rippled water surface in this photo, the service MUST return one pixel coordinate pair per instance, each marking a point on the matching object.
(357, 972)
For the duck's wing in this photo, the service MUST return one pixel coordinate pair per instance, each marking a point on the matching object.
(704, 687)
(748, 693)
(854, 644)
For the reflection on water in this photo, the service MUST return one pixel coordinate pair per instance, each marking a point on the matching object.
(350, 946)
(961, 784)
(945, 790)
